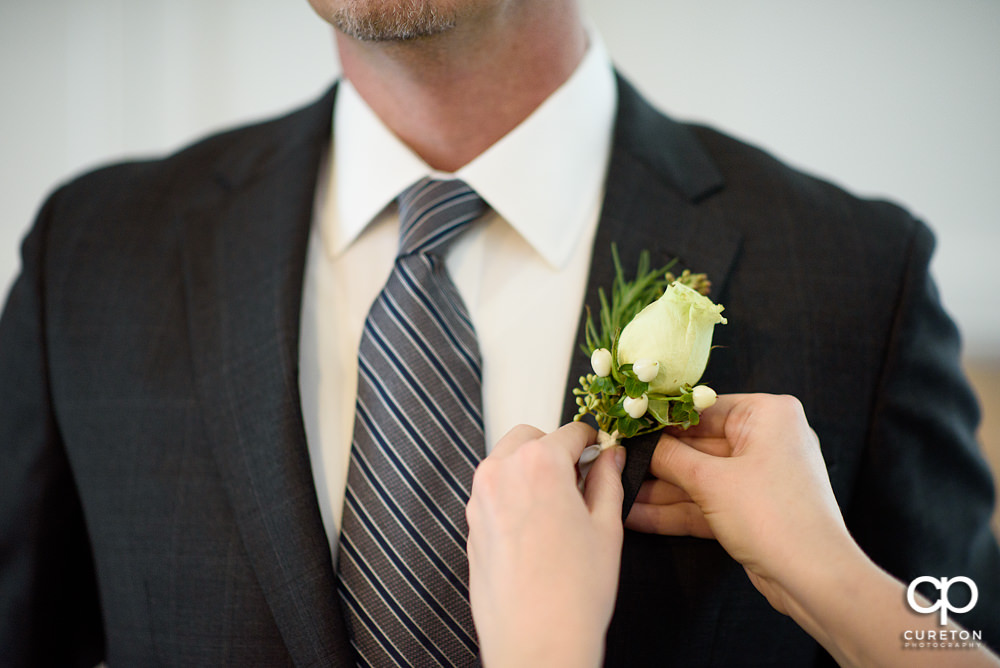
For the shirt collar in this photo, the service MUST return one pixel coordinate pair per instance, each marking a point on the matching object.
(547, 196)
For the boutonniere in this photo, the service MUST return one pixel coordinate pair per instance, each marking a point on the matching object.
(648, 348)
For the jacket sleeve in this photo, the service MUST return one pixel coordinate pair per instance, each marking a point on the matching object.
(49, 610)
(924, 494)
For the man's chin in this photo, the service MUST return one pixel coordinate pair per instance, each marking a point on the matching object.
(402, 22)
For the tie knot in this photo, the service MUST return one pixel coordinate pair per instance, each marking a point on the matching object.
(432, 213)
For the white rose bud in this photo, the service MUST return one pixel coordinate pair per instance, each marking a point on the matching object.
(600, 360)
(704, 397)
(676, 331)
(646, 370)
(636, 407)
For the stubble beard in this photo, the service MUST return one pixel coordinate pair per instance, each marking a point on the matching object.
(393, 21)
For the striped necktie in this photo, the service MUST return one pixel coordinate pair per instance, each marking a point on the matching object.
(418, 436)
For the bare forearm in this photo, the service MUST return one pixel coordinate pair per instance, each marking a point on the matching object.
(858, 612)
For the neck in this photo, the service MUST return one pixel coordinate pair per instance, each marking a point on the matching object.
(452, 96)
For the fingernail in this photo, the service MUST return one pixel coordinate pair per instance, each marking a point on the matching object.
(620, 458)
(589, 454)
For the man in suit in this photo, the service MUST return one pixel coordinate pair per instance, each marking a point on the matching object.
(173, 380)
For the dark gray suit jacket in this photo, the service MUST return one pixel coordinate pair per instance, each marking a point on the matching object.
(156, 500)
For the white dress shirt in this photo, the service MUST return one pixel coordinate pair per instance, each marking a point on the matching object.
(521, 268)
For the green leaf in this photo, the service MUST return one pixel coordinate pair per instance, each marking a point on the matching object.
(629, 426)
(615, 369)
(660, 409)
(617, 411)
(681, 412)
(607, 326)
(633, 386)
(591, 337)
(606, 385)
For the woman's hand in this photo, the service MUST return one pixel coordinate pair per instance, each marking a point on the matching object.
(752, 476)
(544, 560)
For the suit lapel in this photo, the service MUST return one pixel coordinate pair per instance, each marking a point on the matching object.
(244, 256)
(657, 198)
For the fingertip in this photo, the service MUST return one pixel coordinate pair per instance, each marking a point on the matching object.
(523, 432)
(584, 431)
(513, 439)
(573, 437)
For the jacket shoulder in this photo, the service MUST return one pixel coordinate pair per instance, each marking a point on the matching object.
(771, 191)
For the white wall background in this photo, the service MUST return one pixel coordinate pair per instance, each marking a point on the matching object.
(893, 98)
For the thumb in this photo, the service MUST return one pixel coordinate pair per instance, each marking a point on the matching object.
(602, 490)
(681, 464)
